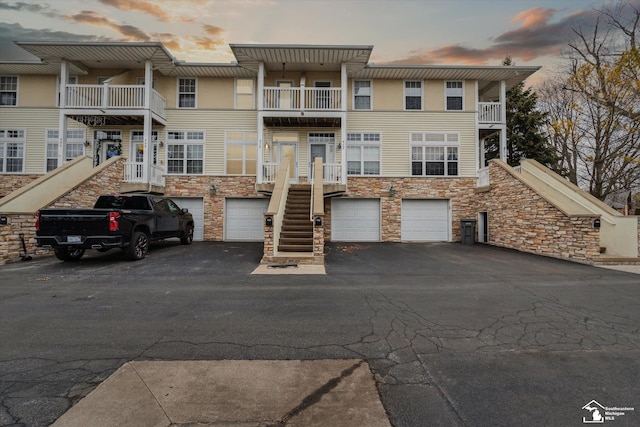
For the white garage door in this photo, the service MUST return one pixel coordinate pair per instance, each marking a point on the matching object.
(425, 220)
(196, 209)
(355, 220)
(244, 219)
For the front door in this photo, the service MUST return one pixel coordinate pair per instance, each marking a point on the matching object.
(324, 96)
(282, 141)
(285, 98)
(137, 151)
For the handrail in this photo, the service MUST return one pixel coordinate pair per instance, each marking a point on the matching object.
(279, 198)
(317, 190)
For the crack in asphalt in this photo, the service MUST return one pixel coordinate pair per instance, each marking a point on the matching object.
(396, 344)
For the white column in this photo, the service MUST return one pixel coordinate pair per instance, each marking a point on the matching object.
(148, 124)
(343, 122)
(260, 126)
(503, 120)
(62, 119)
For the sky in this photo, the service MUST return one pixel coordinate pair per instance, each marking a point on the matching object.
(460, 32)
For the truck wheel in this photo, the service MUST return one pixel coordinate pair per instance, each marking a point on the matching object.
(187, 237)
(138, 247)
(68, 253)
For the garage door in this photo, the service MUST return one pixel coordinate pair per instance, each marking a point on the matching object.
(196, 209)
(244, 219)
(425, 220)
(355, 220)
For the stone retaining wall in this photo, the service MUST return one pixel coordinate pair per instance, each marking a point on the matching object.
(10, 183)
(82, 196)
(521, 219)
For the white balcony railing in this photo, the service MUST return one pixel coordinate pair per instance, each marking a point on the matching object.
(134, 172)
(113, 97)
(332, 173)
(269, 172)
(309, 99)
(489, 112)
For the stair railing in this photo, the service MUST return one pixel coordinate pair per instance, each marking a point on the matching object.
(277, 204)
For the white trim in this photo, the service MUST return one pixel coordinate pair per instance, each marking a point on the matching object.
(17, 104)
(235, 93)
(353, 93)
(20, 140)
(404, 95)
(178, 93)
(185, 142)
(362, 143)
(445, 94)
(244, 143)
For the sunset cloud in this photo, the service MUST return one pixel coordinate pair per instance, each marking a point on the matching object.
(129, 32)
(139, 6)
(536, 36)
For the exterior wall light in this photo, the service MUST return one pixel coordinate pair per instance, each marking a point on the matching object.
(213, 190)
(392, 191)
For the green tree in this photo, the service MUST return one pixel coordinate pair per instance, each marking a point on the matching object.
(525, 127)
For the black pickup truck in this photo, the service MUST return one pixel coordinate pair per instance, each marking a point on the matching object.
(127, 221)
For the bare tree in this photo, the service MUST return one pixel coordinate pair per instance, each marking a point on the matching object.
(594, 109)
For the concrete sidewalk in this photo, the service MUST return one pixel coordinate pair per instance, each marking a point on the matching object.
(239, 393)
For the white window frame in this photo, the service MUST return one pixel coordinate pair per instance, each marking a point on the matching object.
(8, 137)
(368, 95)
(5, 89)
(444, 140)
(248, 138)
(238, 95)
(195, 92)
(362, 141)
(406, 94)
(189, 138)
(452, 92)
(76, 142)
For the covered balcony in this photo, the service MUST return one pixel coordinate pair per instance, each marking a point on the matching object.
(302, 99)
(113, 97)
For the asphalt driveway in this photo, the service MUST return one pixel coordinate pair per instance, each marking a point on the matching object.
(454, 335)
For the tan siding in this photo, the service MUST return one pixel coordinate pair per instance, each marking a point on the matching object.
(388, 95)
(36, 91)
(433, 95)
(214, 124)
(215, 93)
(395, 128)
(469, 95)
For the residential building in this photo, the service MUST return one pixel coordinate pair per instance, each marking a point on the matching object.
(401, 148)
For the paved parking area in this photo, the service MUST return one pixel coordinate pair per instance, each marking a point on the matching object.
(454, 335)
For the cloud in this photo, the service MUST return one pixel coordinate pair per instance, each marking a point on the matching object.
(213, 30)
(537, 35)
(141, 6)
(129, 32)
(30, 7)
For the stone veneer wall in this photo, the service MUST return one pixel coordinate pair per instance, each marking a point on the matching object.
(198, 186)
(521, 219)
(10, 183)
(82, 196)
(460, 191)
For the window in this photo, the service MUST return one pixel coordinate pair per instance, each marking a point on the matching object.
(413, 95)
(12, 143)
(245, 89)
(434, 154)
(363, 154)
(241, 152)
(362, 94)
(454, 96)
(8, 91)
(186, 93)
(185, 152)
(75, 146)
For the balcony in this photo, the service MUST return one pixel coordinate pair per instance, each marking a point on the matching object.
(113, 97)
(134, 173)
(302, 99)
(490, 112)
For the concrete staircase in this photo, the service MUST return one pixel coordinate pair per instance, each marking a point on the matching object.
(297, 229)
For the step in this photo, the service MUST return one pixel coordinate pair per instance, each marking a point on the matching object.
(296, 233)
(295, 248)
(306, 228)
(296, 242)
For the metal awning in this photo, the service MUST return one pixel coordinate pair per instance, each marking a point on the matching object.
(85, 56)
(302, 57)
(512, 75)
